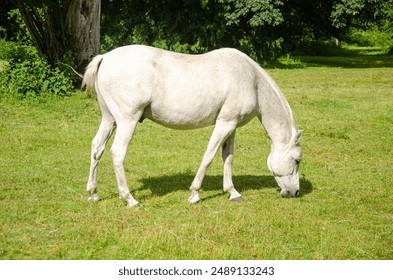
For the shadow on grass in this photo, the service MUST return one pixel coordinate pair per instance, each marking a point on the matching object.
(364, 61)
(341, 57)
(162, 185)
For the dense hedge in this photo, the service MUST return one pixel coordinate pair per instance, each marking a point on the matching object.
(26, 75)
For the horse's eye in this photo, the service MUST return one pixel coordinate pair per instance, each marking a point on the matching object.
(297, 161)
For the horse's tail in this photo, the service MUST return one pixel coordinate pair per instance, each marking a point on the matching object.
(90, 76)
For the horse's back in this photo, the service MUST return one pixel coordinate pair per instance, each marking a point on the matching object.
(140, 54)
(180, 90)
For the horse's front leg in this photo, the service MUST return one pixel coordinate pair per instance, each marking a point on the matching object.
(227, 157)
(221, 132)
(124, 133)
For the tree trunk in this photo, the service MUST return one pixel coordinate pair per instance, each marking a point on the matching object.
(83, 28)
(60, 28)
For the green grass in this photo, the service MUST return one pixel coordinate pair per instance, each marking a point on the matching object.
(345, 211)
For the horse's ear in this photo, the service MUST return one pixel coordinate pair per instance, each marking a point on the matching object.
(298, 136)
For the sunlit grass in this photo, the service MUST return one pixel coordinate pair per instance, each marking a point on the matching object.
(345, 211)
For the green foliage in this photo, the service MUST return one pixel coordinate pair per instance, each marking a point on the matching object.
(345, 9)
(195, 26)
(31, 79)
(28, 76)
(16, 52)
(263, 29)
(3, 32)
(373, 37)
(259, 13)
(21, 32)
(365, 23)
(185, 26)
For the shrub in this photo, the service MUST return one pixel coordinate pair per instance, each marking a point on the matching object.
(372, 37)
(312, 47)
(15, 53)
(29, 76)
(34, 78)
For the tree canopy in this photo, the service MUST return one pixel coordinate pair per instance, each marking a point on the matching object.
(262, 28)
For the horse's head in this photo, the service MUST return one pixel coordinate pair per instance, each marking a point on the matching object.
(284, 164)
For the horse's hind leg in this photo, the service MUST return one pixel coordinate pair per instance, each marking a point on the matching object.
(221, 132)
(227, 157)
(124, 133)
(97, 149)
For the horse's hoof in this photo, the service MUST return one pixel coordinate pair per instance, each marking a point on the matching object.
(94, 197)
(133, 204)
(194, 198)
(238, 199)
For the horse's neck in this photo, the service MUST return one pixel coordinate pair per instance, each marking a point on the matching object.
(276, 115)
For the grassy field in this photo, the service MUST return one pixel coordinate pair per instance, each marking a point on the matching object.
(343, 104)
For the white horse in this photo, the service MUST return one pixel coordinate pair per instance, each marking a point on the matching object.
(225, 88)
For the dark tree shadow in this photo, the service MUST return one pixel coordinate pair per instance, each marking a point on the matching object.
(338, 57)
(361, 61)
(162, 185)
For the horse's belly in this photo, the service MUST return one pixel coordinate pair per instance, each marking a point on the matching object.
(179, 118)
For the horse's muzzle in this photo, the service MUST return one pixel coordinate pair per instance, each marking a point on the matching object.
(285, 193)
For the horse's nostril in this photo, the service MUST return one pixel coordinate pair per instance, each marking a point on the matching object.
(285, 193)
(297, 193)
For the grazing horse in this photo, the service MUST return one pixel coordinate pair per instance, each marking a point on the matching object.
(224, 88)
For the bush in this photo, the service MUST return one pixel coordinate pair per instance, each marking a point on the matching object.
(372, 37)
(312, 47)
(29, 76)
(31, 79)
(15, 53)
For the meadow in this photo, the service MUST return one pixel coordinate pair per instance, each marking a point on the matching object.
(344, 105)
